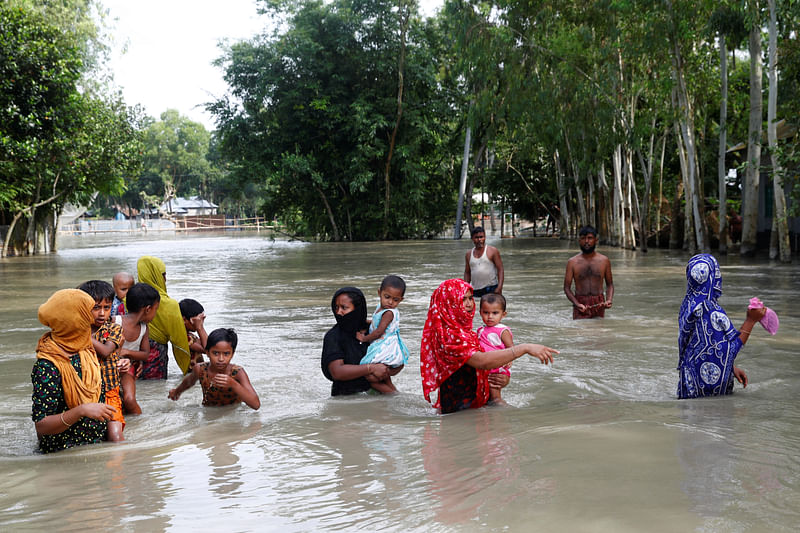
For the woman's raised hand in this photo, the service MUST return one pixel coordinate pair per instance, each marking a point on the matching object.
(542, 353)
(379, 371)
(756, 314)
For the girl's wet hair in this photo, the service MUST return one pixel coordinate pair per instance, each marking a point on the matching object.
(394, 282)
(494, 298)
(139, 296)
(98, 289)
(222, 335)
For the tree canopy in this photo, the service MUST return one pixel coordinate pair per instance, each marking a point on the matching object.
(348, 119)
(58, 144)
(311, 112)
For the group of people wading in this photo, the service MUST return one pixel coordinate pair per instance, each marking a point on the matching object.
(84, 377)
(468, 369)
(103, 337)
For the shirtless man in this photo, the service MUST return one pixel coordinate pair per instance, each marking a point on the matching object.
(484, 268)
(589, 269)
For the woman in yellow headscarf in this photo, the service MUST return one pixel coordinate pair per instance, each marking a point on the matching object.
(66, 402)
(167, 326)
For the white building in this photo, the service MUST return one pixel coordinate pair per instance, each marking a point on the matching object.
(191, 206)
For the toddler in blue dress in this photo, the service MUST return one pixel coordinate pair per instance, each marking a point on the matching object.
(384, 334)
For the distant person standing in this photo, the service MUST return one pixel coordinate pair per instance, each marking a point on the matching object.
(552, 218)
(589, 270)
(484, 268)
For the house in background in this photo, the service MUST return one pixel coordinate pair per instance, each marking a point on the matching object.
(766, 189)
(192, 206)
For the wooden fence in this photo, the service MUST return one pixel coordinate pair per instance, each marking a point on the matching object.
(176, 224)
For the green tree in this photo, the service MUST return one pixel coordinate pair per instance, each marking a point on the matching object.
(57, 144)
(754, 133)
(313, 114)
(82, 25)
(175, 163)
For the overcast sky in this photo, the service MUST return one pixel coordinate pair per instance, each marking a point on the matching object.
(170, 47)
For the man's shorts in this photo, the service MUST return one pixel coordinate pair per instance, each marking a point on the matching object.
(595, 306)
(477, 293)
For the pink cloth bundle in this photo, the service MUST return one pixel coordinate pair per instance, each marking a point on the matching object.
(770, 320)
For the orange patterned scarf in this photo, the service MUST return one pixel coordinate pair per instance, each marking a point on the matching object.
(68, 314)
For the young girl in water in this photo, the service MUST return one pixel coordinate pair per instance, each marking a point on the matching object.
(222, 382)
(142, 302)
(384, 334)
(495, 336)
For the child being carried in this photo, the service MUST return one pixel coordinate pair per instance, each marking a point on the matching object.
(384, 334)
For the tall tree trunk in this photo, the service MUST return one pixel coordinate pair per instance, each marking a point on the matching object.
(404, 16)
(689, 242)
(637, 221)
(576, 180)
(694, 192)
(752, 175)
(604, 218)
(11, 227)
(592, 202)
(660, 187)
(489, 198)
(503, 218)
(647, 172)
(463, 182)
(723, 146)
(674, 228)
(784, 250)
(334, 227)
(616, 202)
(630, 205)
(644, 222)
(563, 222)
(584, 217)
(30, 212)
(478, 166)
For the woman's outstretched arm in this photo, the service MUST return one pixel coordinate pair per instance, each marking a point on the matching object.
(497, 358)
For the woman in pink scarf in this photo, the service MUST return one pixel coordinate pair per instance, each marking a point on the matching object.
(451, 359)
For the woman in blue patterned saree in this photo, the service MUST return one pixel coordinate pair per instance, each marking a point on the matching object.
(707, 341)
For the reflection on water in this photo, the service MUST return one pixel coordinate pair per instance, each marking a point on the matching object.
(595, 443)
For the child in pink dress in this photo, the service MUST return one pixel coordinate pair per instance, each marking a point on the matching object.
(495, 336)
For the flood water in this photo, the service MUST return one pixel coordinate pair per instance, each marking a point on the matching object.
(597, 442)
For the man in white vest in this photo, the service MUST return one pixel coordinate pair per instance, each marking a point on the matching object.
(484, 268)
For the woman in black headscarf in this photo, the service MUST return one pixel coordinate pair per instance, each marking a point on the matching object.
(342, 352)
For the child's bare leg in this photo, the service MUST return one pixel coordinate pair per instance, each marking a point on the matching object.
(129, 395)
(383, 387)
(393, 371)
(114, 431)
(496, 396)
